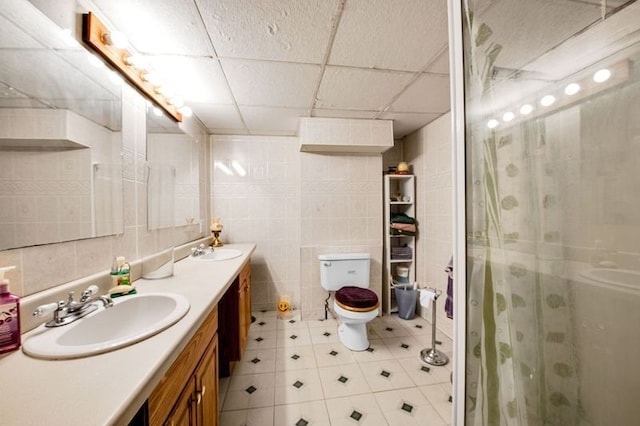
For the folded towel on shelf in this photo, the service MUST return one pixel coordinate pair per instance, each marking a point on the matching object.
(407, 227)
(401, 218)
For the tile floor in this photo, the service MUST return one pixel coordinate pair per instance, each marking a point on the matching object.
(298, 373)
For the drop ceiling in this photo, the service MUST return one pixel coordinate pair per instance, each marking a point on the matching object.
(255, 67)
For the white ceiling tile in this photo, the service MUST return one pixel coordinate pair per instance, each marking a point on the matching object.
(406, 123)
(547, 23)
(279, 84)
(390, 34)
(358, 89)
(272, 120)
(195, 79)
(286, 30)
(167, 26)
(342, 113)
(218, 116)
(430, 93)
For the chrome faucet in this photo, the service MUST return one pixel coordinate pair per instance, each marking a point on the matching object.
(66, 312)
(198, 251)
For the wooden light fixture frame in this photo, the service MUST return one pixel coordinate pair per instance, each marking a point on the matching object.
(93, 34)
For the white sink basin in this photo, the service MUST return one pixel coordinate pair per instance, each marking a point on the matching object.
(130, 320)
(217, 254)
(620, 277)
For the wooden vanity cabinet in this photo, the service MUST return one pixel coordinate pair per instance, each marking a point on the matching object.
(188, 394)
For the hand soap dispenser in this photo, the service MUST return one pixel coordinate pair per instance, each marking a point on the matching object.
(9, 315)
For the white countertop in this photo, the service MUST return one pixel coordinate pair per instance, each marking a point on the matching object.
(109, 388)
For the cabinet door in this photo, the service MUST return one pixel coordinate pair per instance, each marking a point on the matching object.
(244, 304)
(206, 377)
(183, 413)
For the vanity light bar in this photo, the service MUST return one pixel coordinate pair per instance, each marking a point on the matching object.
(568, 92)
(96, 35)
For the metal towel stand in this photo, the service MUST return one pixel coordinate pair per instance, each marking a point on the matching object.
(433, 356)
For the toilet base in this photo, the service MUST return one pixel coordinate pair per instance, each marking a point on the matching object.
(354, 336)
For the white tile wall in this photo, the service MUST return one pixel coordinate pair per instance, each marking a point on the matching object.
(294, 206)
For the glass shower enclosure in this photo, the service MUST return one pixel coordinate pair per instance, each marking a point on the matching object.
(548, 111)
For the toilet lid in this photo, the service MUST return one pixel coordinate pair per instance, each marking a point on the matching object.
(357, 299)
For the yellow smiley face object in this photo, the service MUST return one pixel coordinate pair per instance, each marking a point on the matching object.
(283, 306)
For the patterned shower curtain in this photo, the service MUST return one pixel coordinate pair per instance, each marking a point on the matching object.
(520, 364)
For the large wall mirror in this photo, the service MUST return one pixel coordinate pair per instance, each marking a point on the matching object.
(173, 174)
(60, 134)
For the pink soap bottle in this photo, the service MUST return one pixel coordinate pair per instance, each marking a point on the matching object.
(9, 315)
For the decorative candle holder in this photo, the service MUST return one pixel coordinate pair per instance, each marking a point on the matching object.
(216, 239)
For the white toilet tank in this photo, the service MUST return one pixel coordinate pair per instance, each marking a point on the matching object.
(344, 269)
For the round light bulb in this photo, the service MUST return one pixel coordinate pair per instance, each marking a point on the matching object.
(547, 100)
(116, 39)
(151, 77)
(135, 61)
(572, 89)
(526, 109)
(602, 75)
(492, 124)
(508, 116)
(176, 102)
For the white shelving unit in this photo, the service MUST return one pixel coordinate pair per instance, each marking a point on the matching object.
(399, 197)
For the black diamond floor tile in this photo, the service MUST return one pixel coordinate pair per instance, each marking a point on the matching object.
(250, 390)
(326, 334)
(255, 360)
(404, 346)
(292, 321)
(418, 326)
(438, 342)
(425, 369)
(356, 415)
(370, 349)
(298, 384)
(343, 379)
(261, 323)
(333, 353)
(389, 328)
(385, 373)
(302, 422)
(295, 357)
(293, 337)
(407, 407)
(259, 339)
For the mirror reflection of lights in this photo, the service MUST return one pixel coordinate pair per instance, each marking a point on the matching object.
(492, 124)
(526, 109)
(223, 168)
(115, 77)
(547, 100)
(186, 111)
(602, 75)
(238, 168)
(157, 111)
(508, 116)
(572, 89)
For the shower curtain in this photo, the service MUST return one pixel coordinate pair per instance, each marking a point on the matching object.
(520, 364)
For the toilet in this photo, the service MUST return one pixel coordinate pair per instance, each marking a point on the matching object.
(347, 274)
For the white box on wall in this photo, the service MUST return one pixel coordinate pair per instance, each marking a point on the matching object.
(342, 135)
